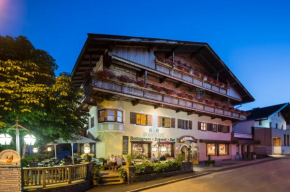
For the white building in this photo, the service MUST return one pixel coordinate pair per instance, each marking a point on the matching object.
(266, 126)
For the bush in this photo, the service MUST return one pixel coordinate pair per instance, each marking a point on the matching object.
(148, 167)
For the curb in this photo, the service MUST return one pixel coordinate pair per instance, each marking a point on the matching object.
(200, 175)
(169, 182)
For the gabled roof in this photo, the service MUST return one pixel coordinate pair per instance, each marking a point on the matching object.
(97, 44)
(265, 112)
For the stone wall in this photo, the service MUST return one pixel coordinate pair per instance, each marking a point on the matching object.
(186, 167)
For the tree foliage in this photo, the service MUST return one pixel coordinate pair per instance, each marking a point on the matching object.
(45, 104)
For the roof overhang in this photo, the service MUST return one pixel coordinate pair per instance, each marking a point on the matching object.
(96, 45)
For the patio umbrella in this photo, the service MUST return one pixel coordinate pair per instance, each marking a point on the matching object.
(75, 139)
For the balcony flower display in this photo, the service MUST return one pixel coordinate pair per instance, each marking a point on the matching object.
(217, 104)
(188, 70)
(169, 91)
(209, 102)
(156, 88)
(197, 73)
(191, 97)
(106, 74)
(141, 83)
(125, 79)
(183, 95)
(201, 100)
(180, 67)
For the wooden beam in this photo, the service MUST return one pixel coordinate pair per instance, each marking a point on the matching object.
(190, 112)
(135, 102)
(141, 73)
(200, 115)
(178, 84)
(213, 117)
(177, 110)
(233, 83)
(217, 72)
(157, 106)
(161, 80)
(167, 55)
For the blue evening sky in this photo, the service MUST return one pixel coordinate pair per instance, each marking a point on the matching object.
(251, 37)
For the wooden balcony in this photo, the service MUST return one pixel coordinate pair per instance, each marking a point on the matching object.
(193, 80)
(132, 92)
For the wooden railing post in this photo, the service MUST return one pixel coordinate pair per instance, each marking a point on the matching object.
(43, 178)
(69, 174)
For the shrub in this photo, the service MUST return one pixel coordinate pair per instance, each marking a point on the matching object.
(156, 167)
(122, 172)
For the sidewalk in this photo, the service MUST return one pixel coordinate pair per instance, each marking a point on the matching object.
(199, 170)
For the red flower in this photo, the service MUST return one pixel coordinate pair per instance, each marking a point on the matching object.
(141, 83)
(156, 88)
(182, 95)
(201, 100)
(197, 73)
(126, 79)
(190, 97)
(180, 67)
(169, 91)
(188, 70)
(106, 74)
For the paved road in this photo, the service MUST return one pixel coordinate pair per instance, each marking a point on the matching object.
(273, 176)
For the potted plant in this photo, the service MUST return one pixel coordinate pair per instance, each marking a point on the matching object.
(129, 159)
(123, 174)
(96, 175)
(209, 162)
(101, 160)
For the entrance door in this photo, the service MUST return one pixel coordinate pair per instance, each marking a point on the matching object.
(184, 151)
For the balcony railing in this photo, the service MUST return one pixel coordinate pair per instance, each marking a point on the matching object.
(191, 79)
(132, 91)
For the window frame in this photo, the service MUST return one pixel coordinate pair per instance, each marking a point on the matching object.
(115, 116)
(203, 126)
(217, 149)
(163, 123)
(141, 115)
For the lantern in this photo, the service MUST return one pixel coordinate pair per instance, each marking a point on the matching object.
(5, 139)
(29, 139)
(35, 150)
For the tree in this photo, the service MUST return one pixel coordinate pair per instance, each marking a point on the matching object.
(45, 104)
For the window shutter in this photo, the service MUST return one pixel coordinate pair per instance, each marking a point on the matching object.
(228, 129)
(220, 128)
(209, 126)
(179, 124)
(149, 120)
(172, 122)
(159, 121)
(190, 124)
(133, 118)
(199, 126)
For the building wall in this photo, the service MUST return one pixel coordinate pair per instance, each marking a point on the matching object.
(244, 127)
(111, 134)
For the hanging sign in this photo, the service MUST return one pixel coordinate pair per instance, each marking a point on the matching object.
(10, 171)
(187, 138)
(125, 145)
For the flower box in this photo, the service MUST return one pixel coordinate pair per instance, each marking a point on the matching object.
(106, 74)
(141, 83)
(169, 91)
(183, 95)
(156, 88)
(190, 97)
(125, 79)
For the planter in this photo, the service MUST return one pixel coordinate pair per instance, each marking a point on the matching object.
(122, 180)
(128, 164)
(95, 181)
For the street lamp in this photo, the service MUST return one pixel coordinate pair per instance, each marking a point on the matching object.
(29, 139)
(87, 150)
(49, 149)
(5, 139)
(35, 150)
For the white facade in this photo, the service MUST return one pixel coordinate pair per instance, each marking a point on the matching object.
(111, 133)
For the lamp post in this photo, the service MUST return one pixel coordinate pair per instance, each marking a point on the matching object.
(29, 139)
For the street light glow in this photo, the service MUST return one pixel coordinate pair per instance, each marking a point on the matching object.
(29, 139)
(5, 139)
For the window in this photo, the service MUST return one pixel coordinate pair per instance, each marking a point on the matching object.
(223, 149)
(214, 127)
(184, 124)
(141, 119)
(223, 128)
(211, 149)
(92, 121)
(217, 149)
(288, 140)
(111, 115)
(140, 149)
(278, 114)
(270, 124)
(282, 126)
(166, 122)
(203, 126)
(276, 125)
(260, 122)
(285, 140)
